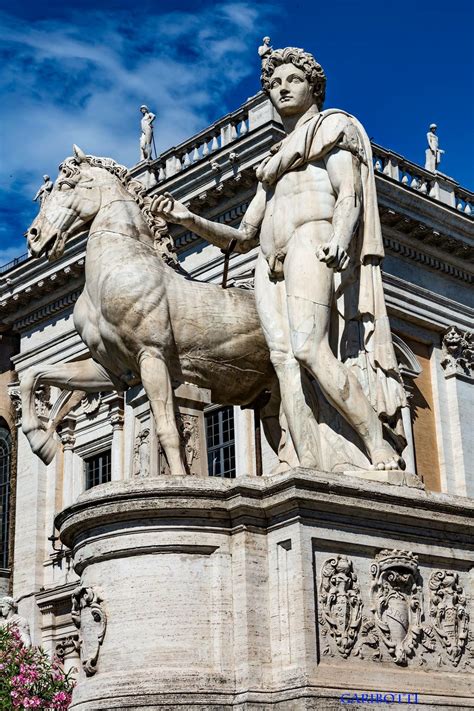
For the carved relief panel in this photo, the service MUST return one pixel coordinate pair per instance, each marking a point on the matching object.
(89, 616)
(340, 604)
(382, 614)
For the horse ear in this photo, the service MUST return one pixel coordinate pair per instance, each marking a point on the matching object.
(79, 154)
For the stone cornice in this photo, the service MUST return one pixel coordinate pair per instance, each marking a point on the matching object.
(263, 503)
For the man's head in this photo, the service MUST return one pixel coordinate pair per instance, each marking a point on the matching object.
(46, 178)
(7, 605)
(144, 109)
(433, 127)
(278, 69)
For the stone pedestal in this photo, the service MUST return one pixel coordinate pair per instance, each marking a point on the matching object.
(270, 593)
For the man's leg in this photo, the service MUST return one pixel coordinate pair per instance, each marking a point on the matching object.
(272, 309)
(309, 287)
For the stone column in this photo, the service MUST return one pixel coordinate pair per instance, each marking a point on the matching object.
(117, 420)
(68, 440)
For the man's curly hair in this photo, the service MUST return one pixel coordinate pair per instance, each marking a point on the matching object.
(305, 61)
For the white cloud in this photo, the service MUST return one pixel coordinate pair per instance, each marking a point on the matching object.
(82, 81)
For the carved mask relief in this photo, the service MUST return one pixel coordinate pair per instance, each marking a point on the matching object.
(89, 617)
(396, 597)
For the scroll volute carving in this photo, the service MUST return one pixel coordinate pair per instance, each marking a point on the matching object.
(396, 596)
(340, 603)
(89, 616)
(448, 613)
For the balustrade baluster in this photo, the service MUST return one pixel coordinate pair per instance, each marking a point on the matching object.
(196, 155)
(414, 183)
(186, 161)
(233, 132)
(243, 128)
(468, 209)
(178, 165)
(424, 187)
(378, 165)
(215, 144)
(459, 205)
(205, 150)
(161, 173)
(405, 179)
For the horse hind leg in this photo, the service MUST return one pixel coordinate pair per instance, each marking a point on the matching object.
(85, 375)
(157, 383)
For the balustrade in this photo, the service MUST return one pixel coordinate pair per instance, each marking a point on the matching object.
(203, 145)
(435, 185)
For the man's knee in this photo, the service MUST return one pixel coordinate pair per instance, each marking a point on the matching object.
(316, 357)
(281, 357)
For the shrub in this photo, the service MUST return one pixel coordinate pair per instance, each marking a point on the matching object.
(28, 678)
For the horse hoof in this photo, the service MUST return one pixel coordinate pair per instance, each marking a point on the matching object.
(43, 445)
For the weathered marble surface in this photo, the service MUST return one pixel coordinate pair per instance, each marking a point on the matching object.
(315, 219)
(261, 593)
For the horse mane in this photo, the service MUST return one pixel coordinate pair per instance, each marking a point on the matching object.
(162, 241)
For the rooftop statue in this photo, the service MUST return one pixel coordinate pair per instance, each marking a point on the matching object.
(146, 137)
(140, 318)
(9, 616)
(44, 189)
(432, 153)
(315, 218)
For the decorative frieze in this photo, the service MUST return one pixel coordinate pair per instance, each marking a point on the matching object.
(458, 352)
(89, 616)
(398, 627)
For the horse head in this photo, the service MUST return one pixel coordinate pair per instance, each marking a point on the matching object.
(73, 203)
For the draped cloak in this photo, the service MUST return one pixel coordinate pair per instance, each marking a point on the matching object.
(364, 341)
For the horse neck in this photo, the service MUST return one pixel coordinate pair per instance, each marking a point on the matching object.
(119, 213)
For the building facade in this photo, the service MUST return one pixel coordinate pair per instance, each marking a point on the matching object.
(427, 223)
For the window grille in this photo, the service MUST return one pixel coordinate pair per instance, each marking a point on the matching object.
(220, 437)
(5, 465)
(98, 469)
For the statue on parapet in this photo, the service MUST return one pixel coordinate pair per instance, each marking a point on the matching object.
(146, 137)
(9, 616)
(316, 220)
(433, 152)
(265, 49)
(44, 189)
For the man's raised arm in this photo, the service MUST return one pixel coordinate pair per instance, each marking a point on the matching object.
(246, 236)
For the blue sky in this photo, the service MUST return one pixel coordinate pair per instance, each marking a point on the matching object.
(77, 73)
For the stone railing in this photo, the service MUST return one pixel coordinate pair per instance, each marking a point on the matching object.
(434, 185)
(218, 135)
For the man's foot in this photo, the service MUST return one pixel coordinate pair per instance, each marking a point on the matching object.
(385, 458)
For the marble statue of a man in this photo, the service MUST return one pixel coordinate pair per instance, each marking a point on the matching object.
(433, 152)
(146, 137)
(44, 189)
(9, 616)
(315, 217)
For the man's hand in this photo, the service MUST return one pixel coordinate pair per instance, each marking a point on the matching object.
(166, 207)
(333, 255)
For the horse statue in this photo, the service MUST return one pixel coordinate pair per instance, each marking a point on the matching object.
(140, 316)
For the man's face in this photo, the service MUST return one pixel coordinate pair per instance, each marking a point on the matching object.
(290, 92)
(4, 609)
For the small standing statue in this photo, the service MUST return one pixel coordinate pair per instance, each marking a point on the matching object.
(9, 616)
(146, 138)
(44, 189)
(433, 153)
(265, 49)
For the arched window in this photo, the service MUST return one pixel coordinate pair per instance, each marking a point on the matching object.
(5, 465)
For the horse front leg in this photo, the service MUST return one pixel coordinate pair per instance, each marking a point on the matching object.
(157, 383)
(85, 375)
